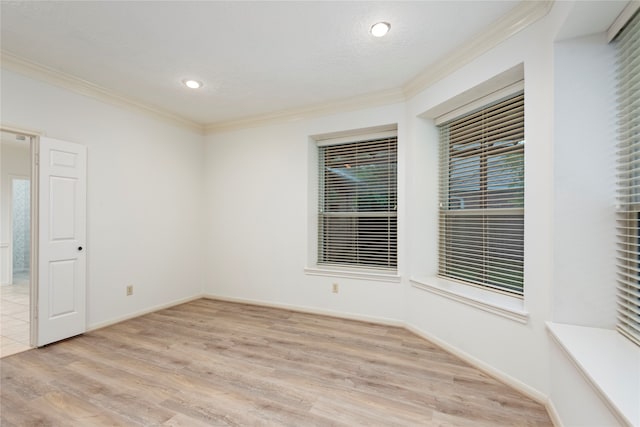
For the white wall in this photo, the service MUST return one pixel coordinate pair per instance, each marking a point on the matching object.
(515, 349)
(584, 242)
(259, 203)
(148, 221)
(15, 160)
(573, 397)
(257, 191)
(258, 213)
(584, 159)
(145, 184)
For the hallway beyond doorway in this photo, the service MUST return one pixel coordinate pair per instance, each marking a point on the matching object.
(14, 320)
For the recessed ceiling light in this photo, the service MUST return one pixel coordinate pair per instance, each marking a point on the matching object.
(380, 29)
(192, 84)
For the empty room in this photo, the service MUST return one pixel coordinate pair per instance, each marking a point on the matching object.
(320, 213)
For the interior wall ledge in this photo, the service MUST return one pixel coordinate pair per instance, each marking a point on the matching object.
(608, 362)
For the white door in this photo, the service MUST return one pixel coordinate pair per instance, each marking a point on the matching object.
(61, 240)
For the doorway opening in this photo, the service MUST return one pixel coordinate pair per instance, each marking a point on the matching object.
(15, 242)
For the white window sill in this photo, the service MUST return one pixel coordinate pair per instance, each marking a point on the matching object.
(493, 302)
(608, 361)
(353, 274)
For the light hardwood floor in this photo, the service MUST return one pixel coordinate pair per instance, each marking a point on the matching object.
(214, 363)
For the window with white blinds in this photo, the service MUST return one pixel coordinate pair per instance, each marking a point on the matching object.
(481, 221)
(357, 219)
(628, 178)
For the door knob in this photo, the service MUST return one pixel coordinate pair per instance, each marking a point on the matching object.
(79, 248)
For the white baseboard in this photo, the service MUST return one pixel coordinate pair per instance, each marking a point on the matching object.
(484, 367)
(477, 363)
(110, 322)
(553, 413)
(311, 310)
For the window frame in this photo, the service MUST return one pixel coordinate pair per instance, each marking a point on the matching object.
(330, 265)
(485, 214)
(628, 181)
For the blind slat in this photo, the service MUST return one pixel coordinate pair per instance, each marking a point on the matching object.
(357, 219)
(481, 220)
(628, 180)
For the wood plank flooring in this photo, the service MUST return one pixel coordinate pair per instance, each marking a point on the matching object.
(214, 363)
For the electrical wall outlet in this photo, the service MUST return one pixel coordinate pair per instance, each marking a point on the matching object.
(335, 288)
(129, 290)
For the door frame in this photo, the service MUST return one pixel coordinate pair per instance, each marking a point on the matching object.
(34, 143)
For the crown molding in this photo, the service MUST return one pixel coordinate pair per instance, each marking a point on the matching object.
(622, 19)
(519, 18)
(350, 104)
(13, 62)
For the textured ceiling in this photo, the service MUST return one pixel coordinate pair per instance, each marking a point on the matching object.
(255, 58)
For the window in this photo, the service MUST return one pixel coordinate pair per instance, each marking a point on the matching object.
(628, 214)
(357, 221)
(481, 223)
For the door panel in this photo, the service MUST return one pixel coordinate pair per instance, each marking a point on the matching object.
(62, 237)
(62, 280)
(63, 201)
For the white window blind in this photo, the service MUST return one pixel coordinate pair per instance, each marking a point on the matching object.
(481, 224)
(628, 178)
(357, 220)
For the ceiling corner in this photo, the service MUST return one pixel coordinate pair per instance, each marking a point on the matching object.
(519, 18)
(12, 62)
